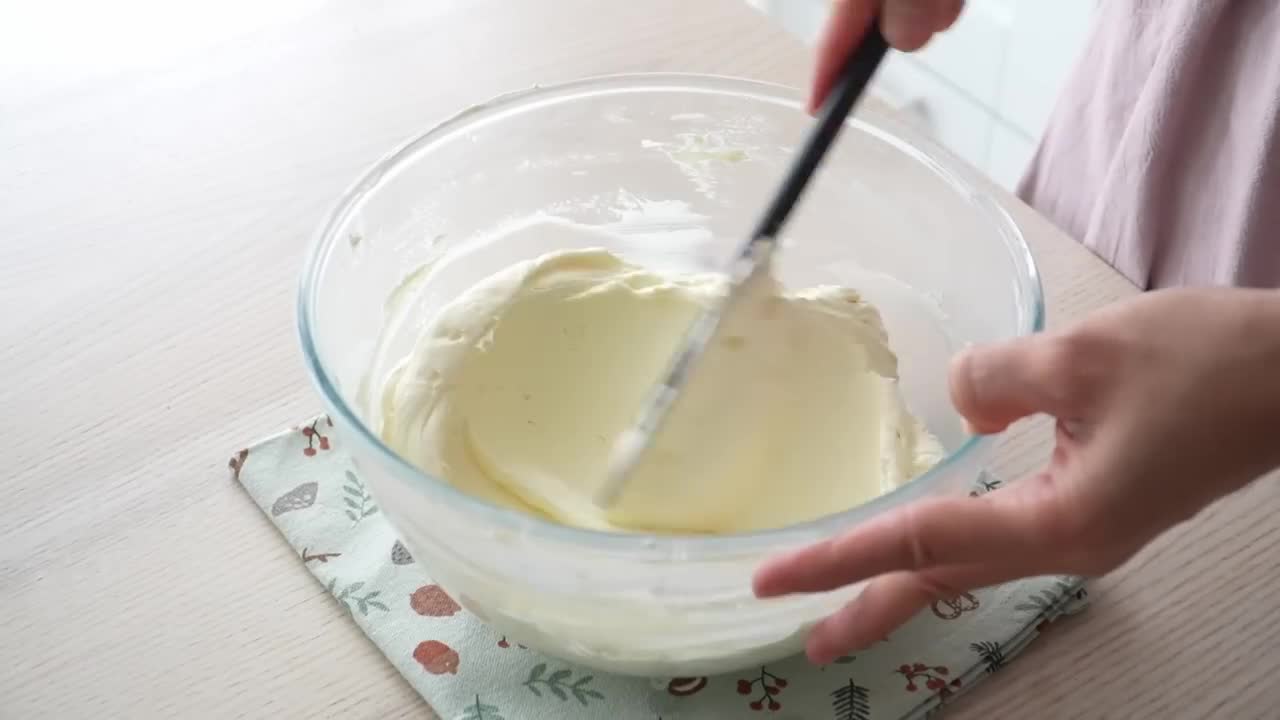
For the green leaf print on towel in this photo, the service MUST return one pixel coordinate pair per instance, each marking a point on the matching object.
(480, 711)
(358, 500)
(350, 594)
(557, 683)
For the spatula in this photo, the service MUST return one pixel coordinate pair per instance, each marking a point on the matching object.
(753, 264)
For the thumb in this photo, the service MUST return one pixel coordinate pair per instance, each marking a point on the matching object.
(994, 386)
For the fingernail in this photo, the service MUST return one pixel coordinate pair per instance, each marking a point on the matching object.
(961, 364)
(760, 583)
(816, 650)
(907, 26)
(762, 590)
(770, 588)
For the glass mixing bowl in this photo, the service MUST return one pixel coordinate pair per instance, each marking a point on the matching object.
(677, 167)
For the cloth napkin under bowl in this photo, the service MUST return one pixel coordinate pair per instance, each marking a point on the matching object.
(307, 487)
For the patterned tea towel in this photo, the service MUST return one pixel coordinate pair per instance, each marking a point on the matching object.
(307, 487)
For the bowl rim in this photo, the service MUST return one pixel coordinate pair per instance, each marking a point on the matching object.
(638, 545)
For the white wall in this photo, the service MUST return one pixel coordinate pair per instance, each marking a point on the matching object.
(986, 87)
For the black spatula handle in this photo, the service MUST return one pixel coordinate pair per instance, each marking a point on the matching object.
(853, 80)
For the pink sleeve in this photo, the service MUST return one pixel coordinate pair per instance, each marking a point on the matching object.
(1162, 154)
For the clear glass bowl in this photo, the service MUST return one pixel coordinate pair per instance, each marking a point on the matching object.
(678, 166)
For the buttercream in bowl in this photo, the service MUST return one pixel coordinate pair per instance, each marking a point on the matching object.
(517, 389)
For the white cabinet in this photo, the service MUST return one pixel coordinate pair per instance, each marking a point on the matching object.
(1046, 38)
(1007, 155)
(971, 54)
(937, 107)
(986, 87)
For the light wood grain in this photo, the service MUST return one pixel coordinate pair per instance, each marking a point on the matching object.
(156, 194)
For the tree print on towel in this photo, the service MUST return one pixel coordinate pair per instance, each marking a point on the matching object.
(480, 711)
(351, 597)
(1047, 604)
(991, 653)
(359, 502)
(851, 701)
(770, 686)
(934, 677)
(558, 684)
(316, 439)
(1047, 601)
(985, 485)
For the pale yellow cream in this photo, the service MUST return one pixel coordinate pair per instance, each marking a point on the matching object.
(517, 390)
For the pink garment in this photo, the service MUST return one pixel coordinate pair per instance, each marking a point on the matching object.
(1163, 153)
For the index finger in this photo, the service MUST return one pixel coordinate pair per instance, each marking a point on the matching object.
(1008, 526)
(845, 27)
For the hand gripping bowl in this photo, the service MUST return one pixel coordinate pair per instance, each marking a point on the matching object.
(676, 167)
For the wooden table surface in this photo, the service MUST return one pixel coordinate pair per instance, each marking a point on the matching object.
(161, 168)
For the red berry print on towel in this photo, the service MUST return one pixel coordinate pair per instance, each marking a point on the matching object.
(933, 677)
(237, 464)
(431, 601)
(770, 687)
(952, 608)
(683, 687)
(436, 658)
(303, 496)
(316, 440)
